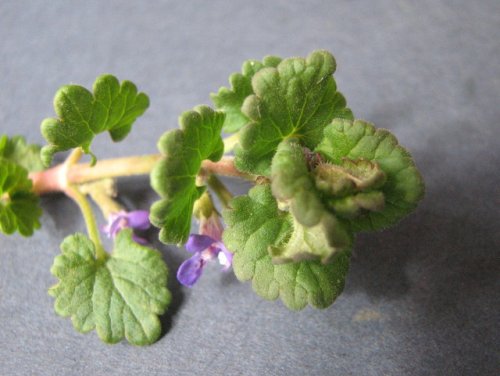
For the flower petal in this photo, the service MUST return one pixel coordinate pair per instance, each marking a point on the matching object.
(190, 270)
(197, 243)
(116, 222)
(224, 256)
(138, 219)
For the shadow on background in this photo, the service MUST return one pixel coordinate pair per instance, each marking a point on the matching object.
(442, 261)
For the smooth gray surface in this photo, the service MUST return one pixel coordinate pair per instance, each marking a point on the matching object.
(420, 299)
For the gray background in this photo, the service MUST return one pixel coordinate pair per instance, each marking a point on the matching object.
(420, 299)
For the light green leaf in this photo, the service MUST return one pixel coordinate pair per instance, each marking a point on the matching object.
(112, 107)
(356, 205)
(255, 226)
(174, 176)
(19, 207)
(230, 100)
(119, 297)
(296, 99)
(350, 176)
(316, 232)
(403, 187)
(323, 241)
(292, 184)
(16, 149)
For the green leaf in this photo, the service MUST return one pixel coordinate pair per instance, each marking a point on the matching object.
(403, 186)
(16, 149)
(297, 99)
(317, 233)
(255, 226)
(112, 107)
(119, 297)
(174, 176)
(19, 208)
(349, 176)
(325, 241)
(356, 205)
(230, 100)
(291, 182)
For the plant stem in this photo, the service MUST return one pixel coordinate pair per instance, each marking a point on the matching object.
(220, 190)
(55, 178)
(225, 167)
(111, 168)
(103, 193)
(73, 192)
(90, 221)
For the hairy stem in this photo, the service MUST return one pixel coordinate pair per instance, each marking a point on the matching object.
(103, 193)
(55, 178)
(225, 167)
(90, 222)
(112, 168)
(73, 192)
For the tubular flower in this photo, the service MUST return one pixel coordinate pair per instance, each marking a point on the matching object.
(136, 219)
(205, 247)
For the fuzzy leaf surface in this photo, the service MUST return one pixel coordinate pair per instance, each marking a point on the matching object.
(298, 98)
(174, 176)
(230, 100)
(350, 176)
(120, 297)
(112, 107)
(323, 241)
(291, 183)
(402, 187)
(16, 149)
(255, 224)
(317, 233)
(19, 206)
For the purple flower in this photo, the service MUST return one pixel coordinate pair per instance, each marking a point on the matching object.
(136, 219)
(205, 248)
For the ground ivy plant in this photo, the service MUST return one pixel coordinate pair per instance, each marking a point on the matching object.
(318, 176)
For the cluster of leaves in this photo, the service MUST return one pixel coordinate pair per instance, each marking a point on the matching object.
(19, 208)
(321, 176)
(327, 176)
(330, 176)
